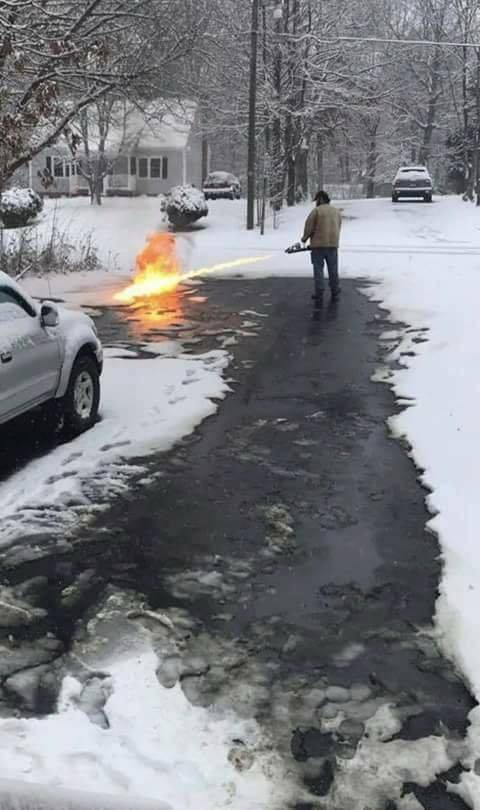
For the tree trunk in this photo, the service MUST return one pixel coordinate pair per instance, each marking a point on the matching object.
(277, 151)
(302, 172)
(465, 118)
(320, 166)
(204, 159)
(371, 165)
(290, 159)
(290, 180)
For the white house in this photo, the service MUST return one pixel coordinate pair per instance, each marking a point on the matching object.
(148, 153)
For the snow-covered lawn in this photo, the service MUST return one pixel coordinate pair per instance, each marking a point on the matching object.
(426, 260)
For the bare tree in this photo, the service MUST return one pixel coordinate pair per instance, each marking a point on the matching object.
(58, 57)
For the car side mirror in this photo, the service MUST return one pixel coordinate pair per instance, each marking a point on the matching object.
(49, 314)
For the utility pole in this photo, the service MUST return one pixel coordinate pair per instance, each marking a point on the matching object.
(252, 119)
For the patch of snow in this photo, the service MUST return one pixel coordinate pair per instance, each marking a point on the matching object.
(166, 348)
(147, 405)
(155, 745)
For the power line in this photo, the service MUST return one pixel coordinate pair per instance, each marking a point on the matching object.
(417, 42)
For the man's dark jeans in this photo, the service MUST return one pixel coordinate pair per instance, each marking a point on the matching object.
(319, 257)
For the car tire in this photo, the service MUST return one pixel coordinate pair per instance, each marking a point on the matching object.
(428, 198)
(81, 402)
(394, 198)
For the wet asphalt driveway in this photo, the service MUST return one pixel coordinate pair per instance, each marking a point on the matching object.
(290, 527)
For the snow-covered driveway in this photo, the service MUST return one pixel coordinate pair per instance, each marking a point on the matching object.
(426, 262)
(426, 259)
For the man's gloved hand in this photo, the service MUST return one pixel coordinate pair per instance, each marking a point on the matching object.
(293, 248)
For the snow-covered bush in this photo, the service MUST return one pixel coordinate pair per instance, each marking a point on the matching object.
(185, 204)
(18, 206)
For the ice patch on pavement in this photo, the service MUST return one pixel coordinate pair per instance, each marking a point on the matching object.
(157, 745)
(167, 348)
(147, 405)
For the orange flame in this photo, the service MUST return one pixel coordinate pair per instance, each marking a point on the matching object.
(157, 269)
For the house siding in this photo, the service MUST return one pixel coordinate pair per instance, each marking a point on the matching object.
(159, 185)
(183, 165)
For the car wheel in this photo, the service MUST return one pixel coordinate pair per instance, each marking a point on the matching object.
(428, 198)
(394, 198)
(80, 404)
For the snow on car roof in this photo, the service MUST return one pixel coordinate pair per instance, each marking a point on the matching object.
(413, 169)
(224, 177)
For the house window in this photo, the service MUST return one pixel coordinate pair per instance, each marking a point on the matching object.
(58, 168)
(155, 166)
(67, 169)
(164, 168)
(133, 166)
(143, 167)
(48, 164)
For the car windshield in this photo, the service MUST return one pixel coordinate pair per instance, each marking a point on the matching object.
(415, 169)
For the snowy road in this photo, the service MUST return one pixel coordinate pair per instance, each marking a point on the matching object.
(290, 532)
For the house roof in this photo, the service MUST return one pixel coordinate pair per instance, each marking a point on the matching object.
(154, 128)
(132, 129)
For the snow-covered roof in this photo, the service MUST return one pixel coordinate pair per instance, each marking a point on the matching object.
(219, 177)
(158, 126)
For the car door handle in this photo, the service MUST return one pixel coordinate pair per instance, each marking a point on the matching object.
(6, 357)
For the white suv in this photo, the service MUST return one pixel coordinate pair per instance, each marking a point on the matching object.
(412, 181)
(47, 355)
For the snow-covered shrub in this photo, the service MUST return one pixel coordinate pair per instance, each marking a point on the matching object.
(185, 204)
(18, 206)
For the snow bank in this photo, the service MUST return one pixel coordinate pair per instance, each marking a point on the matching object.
(147, 405)
(157, 746)
(430, 278)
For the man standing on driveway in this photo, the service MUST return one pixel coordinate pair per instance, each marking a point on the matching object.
(323, 229)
